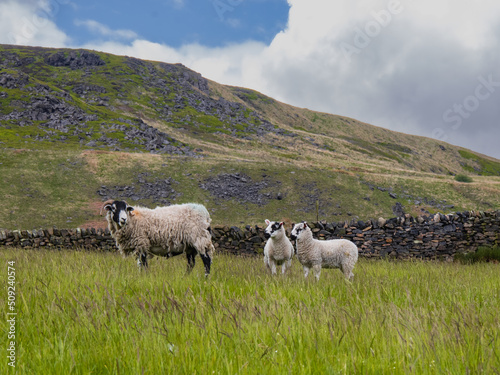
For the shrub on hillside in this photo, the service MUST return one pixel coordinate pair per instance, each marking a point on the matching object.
(462, 178)
(483, 254)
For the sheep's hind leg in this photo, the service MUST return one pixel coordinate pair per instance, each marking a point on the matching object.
(347, 271)
(306, 272)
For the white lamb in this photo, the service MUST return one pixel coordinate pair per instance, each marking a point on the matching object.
(278, 249)
(163, 231)
(317, 254)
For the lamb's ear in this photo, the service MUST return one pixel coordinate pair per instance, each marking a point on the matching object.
(281, 224)
(305, 225)
(267, 222)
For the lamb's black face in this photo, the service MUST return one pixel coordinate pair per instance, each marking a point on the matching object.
(119, 210)
(297, 229)
(272, 228)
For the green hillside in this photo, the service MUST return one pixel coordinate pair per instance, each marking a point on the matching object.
(78, 127)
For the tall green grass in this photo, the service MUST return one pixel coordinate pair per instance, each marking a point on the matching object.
(95, 313)
(482, 254)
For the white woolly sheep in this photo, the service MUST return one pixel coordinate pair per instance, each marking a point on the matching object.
(278, 249)
(163, 231)
(317, 254)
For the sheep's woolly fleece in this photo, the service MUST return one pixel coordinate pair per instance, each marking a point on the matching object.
(318, 254)
(163, 231)
(278, 249)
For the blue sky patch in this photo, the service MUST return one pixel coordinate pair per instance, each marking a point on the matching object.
(211, 23)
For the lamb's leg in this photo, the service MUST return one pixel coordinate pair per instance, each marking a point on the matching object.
(273, 266)
(266, 262)
(306, 272)
(317, 271)
(286, 265)
(347, 271)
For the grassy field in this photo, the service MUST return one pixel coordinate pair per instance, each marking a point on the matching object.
(46, 188)
(94, 313)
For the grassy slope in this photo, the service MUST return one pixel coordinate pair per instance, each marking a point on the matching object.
(81, 312)
(332, 159)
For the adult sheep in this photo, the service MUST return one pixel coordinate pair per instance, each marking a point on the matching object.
(278, 249)
(317, 254)
(163, 231)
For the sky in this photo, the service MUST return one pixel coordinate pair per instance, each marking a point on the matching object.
(426, 67)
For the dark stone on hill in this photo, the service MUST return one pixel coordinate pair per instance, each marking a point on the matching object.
(239, 187)
(159, 191)
(74, 59)
(9, 81)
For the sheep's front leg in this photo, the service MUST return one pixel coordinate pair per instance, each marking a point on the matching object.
(347, 271)
(317, 271)
(266, 262)
(273, 266)
(190, 254)
(207, 262)
(142, 260)
(286, 265)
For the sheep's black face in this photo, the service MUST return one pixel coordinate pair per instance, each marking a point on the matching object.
(119, 211)
(297, 229)
(272, 228)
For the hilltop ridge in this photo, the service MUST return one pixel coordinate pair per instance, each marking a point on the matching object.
(91, 125)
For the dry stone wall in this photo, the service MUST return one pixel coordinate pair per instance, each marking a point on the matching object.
(425, 237)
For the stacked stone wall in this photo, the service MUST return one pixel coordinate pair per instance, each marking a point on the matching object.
(426, 237)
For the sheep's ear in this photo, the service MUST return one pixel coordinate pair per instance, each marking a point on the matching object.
(305, 225)
(130, 208)
(267, 222)
(281, 224)
(108, 207)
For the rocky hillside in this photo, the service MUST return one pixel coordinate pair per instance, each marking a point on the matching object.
(78, 126)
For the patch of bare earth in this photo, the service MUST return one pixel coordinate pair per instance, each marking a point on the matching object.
(95, 208)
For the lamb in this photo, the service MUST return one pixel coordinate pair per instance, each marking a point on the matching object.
(163, 231)
(278, 249)
(317, 254)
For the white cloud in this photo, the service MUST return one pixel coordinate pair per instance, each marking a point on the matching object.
(400, 64)
(105, 31)
(29, 23)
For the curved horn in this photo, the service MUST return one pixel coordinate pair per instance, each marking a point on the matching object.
(109, 201)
